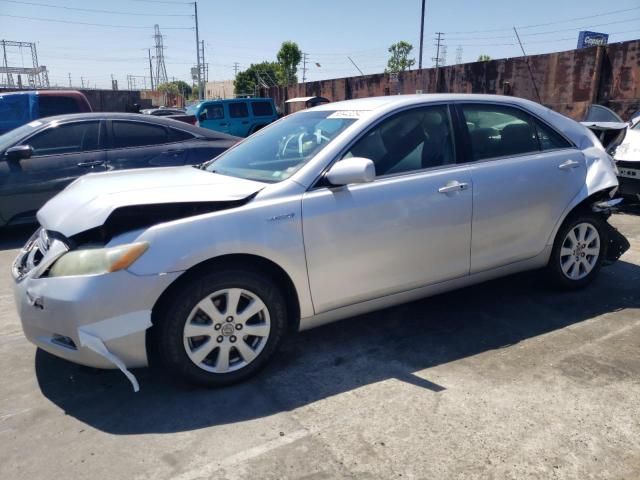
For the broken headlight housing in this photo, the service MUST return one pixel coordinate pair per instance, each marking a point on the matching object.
(96, 261)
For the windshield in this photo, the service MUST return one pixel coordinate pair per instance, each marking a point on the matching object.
(11, 137)
(278, 151)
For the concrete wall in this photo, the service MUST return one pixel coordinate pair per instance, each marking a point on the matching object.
(567, 81)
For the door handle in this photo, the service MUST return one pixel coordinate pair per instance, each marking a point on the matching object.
(245, 122)
(454, 186)
(91, 163)
(568, 165)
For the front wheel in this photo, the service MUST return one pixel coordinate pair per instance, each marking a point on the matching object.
(221, 328)
(578, 251)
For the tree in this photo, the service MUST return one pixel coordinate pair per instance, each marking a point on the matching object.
(399, 60)
(289, 58)
(265, 74)
(483, 58)
(177, 87)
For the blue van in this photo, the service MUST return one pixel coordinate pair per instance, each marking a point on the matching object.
(239, 116)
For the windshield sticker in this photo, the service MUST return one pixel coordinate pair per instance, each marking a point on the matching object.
(347, 114)
(35, 123)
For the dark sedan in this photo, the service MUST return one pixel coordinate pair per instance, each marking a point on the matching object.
(41, 158)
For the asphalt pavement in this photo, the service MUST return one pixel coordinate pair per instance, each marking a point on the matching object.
(505, 380)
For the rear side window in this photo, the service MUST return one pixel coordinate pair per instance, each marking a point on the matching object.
(238, 110)
(52, 105)
(262, 109)
(138, 134)
(550, 139)
(178, 135)
(69, 138)
(498, 131)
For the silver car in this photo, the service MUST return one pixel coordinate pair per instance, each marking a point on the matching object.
(331, 212)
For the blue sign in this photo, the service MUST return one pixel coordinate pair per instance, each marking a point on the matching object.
(592, 39)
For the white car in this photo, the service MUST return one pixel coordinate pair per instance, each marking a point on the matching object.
(328, 213)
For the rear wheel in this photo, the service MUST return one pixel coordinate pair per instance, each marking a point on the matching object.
(221, 328)
(578, 251)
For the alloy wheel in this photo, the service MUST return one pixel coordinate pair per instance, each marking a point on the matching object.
(226, 330)
(580, 251)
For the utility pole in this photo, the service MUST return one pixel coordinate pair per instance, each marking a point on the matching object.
(150, 69)
(205, 67)
(437, 59)
(304, 67)
(533, 80)
(69, 79)
(421, 35)
(200, 89)
(82, 81)
(236, 67)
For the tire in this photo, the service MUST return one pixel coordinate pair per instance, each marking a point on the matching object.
(578, 251)
(200, 316)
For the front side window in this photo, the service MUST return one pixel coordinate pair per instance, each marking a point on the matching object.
(498, 131)
(238, 110)
(412, 140)
(137, 134)
(279, 150)
(66, 138)
(213, 112)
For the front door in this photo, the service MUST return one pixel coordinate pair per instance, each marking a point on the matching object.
(524, 176)
(212, 116)
(61, 153)
(408, 228)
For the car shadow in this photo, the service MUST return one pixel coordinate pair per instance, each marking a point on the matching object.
(313, 365)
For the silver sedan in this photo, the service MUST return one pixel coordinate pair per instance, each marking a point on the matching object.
(328, 213)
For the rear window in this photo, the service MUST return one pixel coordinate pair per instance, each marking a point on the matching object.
(262, 109)
(238, 109)
(52, 105)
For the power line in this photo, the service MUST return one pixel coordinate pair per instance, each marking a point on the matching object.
(163, 1)
(89, 24)
(550, 31)
(521, 27)
(92, 10)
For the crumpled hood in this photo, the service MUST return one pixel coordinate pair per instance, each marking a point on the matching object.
(629, 149)
(88, 201)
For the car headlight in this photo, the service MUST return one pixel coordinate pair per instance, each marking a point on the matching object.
(95, 261)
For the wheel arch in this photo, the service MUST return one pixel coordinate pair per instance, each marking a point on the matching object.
(243, 261)
(581, 205)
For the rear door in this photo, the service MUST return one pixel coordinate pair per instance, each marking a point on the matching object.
(239, 118)
(524, 176)
(136, 144)
(61, 153)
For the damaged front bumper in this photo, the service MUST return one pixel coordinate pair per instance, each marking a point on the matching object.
(94, 320)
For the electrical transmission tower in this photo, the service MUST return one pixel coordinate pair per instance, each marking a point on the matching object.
(443, 55)
(37, 75)
(236, 67)
(161, 69)
(459, 55)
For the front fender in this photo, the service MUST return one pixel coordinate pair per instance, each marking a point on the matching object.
(271, 229)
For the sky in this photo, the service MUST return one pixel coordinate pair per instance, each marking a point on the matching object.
(113, 38)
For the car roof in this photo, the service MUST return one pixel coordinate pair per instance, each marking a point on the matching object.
(373, 103)
(140, 117)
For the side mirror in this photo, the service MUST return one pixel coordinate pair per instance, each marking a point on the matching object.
(19, 152)
(202, 117)
(351, 170)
